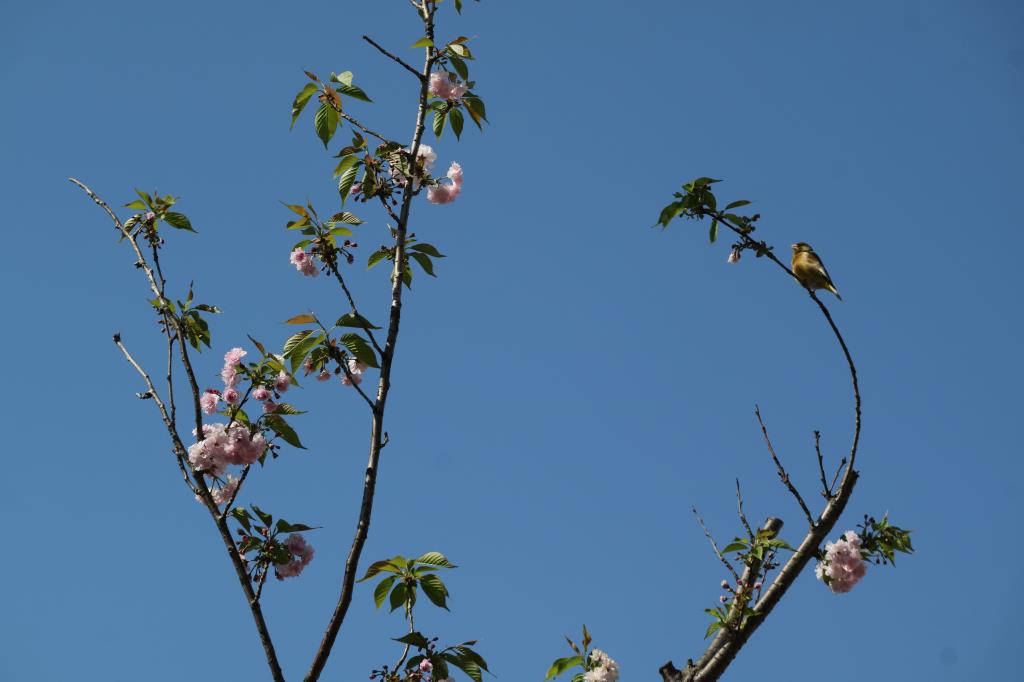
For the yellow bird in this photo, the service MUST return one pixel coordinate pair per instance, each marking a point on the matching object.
(809, 269)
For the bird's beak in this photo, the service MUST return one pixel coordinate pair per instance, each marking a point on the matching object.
(792, 246)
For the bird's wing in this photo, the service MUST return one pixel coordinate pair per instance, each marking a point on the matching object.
(816, 262)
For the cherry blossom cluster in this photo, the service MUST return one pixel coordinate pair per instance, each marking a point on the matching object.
(426, 668)
(446, 86)
(221, 446)
(603, 668)
(446, 194)
(304, 263)
(302, 553)
(354, 376)
(843, 565)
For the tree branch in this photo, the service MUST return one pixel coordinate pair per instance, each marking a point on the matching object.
(714, 546)
(720, 653)
(384, 382)
(421, 76)
(783, 476)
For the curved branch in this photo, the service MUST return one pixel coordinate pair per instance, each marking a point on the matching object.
(720, 653)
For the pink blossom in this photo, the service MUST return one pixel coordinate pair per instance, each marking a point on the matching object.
(282, 382)
(223, 494)
(302, 554)
(443, 85)
(446, 194)
(356, 188)
(229, 375)
(324, 375)
(843, 565)
(734, 256)
(149, 217)
(757, 585)
(354, 376)
(233, 357)
(230, 396)
(426, 666)
(725, 585)
(261, 393)
(304, 263)
(208, 401)
(269, 406)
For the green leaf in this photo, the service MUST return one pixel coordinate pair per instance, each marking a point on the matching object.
(414, 639)
(359, 348)
(347, 218)
(346, 181)
(434, 559)
(354, 91)
(146, 198)
(737, 204)
(177, 220)
(475, 105)
(354, 320)
(713, 626)
(457, 122)
(376, 257)
(285, 527)
(734, 547)
(294, 340)
(561, 665)
(425, 262)
(670, 212)
(713, 234)
(345, 77)
(435, 590)
(467, 666)
(422, 42)
(286, 432)
(381, 591)
(325, 123)
(137, 204)
(439, 118)
(385, 565)
(305, 318)
(242, 516)
(399, 595)
(460, 50)
(460, 67)
(266, 518)
(346, 162)
(301, 100)
(428, 249)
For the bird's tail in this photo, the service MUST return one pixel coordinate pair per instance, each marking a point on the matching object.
(832, 288)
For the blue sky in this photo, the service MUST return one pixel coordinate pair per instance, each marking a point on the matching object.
(574, 380)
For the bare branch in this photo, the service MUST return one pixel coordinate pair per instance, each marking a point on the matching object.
(743, 517)
(783, 476)
(406, 66)
(359, 125)
(714, 546)
(826, 491)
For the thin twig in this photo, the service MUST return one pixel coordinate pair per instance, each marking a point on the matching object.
(714, 546)
(366, 130)
(839, 470)
(826, 491)
(405, 66)
(333, 266)
(783, 476)
(743, 517)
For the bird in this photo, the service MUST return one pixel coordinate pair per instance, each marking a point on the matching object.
(809, 269)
